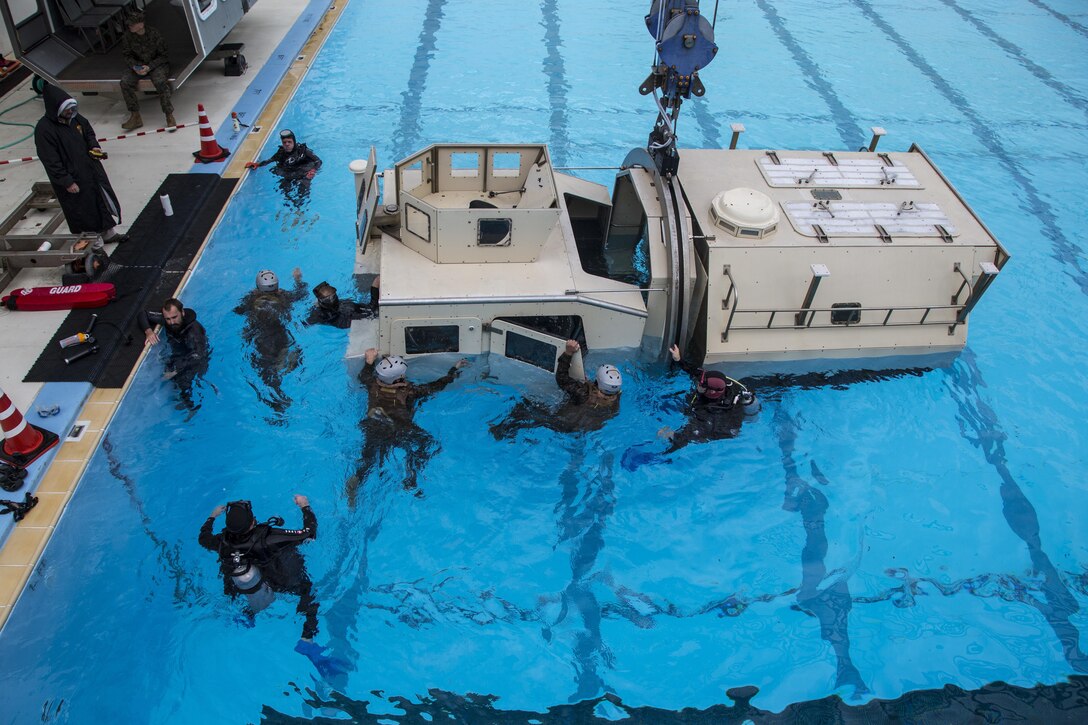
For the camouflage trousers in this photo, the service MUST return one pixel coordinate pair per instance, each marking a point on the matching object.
(158, 78)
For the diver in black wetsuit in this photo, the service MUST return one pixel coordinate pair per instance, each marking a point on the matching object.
(715, 411)
(296, 165)
(275, 353)
(257, 559)
(335, 312)
(588, 406)
(189, 351)
(389, 424)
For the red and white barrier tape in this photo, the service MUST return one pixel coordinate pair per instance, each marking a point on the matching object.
(146, 133)
(111, 138)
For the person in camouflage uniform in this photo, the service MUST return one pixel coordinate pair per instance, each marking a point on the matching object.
(144, 52)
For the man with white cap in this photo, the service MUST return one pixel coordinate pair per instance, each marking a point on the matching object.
(391, 405)
(589, 404)
(274, 352)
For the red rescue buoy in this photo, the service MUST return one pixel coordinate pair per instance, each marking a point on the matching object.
(61, 297)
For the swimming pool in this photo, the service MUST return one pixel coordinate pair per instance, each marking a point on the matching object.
(864, 538)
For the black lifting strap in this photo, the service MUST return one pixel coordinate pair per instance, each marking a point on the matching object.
(16, 509)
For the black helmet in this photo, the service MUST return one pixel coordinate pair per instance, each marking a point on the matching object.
(239, 517)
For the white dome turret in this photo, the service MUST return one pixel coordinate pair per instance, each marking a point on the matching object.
(745, 213)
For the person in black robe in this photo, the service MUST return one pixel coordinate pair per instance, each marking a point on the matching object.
(274, 352)
(72, 158)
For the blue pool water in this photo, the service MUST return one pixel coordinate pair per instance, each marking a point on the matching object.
(867, 539)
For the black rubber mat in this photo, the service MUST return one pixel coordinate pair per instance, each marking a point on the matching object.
(151, 268)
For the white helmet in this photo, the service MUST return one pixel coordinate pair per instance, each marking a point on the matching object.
(267, 281)
(391, 369)
(609, 380)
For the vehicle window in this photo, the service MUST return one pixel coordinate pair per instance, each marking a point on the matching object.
(465, 163)
(431, 338)
(528, 350)
(506, 163)
(418, 222)
(493, 232)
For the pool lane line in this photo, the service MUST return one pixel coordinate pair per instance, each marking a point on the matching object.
(556, 73)
(831, 605)
(1068, 94)
(979, 417)
(986, 424)
(407, 134)
(708, 125)
(1064, 251)
(1065, 19)
(185, 586)
(849, 130)
(585, 505)
(976, 417)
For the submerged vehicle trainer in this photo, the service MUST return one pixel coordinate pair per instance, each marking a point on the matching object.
(737, 256)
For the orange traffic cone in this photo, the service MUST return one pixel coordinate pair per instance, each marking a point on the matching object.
(210, 150)
(23, 442)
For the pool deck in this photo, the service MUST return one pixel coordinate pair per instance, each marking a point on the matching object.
(281, 39)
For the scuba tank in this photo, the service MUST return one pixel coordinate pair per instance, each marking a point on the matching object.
(247, 578)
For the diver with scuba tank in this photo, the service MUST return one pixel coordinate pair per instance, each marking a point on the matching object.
(715, 411)
(260, 559)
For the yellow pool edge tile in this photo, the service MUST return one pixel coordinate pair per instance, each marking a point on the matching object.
(12, 581)
(23, 547)
(106, 395)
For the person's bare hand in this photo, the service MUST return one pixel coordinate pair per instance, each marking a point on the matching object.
(218, 510)
(666, 432)
(675, 350)
(311, 173)
(461, 363)
(72, 188)
(169, 374)
(296, 273)
(301, 501)
(371, 356)
(151, 337)
(573, 347)
(143, 70)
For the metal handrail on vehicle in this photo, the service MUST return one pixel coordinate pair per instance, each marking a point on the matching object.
(812, 314)
(725, 302)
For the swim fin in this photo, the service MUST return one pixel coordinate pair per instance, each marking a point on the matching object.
(328, 666)
(634, 458)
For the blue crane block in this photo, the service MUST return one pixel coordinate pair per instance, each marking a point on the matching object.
(658, 19)
(686, 46)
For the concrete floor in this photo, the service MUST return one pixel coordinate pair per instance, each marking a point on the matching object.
(136, 166)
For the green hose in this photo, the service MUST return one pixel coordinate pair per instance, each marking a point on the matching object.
(13, 123)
